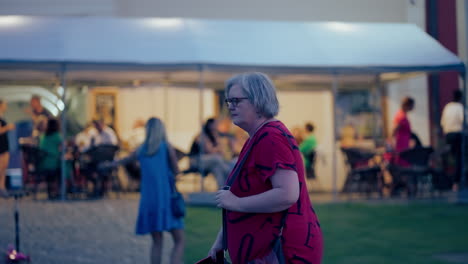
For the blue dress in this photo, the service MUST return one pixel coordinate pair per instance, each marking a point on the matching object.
(155, 214)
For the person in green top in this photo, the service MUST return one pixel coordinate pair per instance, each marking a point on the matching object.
(50, 143)
(307, 148)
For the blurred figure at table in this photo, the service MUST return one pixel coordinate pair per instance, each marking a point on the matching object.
(137, 136)
(83, 138)
(206, 152)
(4, 147)
(307, 148)
(102, 134)
(298, 134)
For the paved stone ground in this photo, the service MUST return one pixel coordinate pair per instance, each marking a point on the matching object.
(102, 231)
(77, 232)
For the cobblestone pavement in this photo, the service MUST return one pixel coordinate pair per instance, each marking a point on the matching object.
(77, 232)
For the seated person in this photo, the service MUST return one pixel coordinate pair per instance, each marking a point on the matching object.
(307, 148)
(102, 134)
(83, 139)
(137, 135)
(206, 153)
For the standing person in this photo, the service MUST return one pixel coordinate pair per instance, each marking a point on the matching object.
(158, 164)
(4, 147)
(452, 126)
(39, 116)
(50, 142)
(271, 181)
(401, 125)
(307, 148)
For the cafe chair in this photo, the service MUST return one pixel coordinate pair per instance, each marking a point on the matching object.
(364, 176)
(416, 174)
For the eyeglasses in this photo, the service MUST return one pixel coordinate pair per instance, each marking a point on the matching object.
(234, 101)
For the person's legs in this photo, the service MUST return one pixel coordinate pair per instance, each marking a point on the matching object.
(217, 165)
(177, 254)
(156, 248)
(454, 140)
(4, 159)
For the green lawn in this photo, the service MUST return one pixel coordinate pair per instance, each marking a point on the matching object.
(363, 233)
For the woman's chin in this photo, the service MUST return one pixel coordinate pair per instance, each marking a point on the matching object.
(235, 120)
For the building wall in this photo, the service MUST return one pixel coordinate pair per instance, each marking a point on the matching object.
(179, 108)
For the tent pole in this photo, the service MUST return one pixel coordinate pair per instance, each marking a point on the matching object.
(166, 100)
(375, 106)
(63, 170)
(201, 88)
(463, 190)
(335, 130)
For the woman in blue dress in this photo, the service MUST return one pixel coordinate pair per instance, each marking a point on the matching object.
(158, 164)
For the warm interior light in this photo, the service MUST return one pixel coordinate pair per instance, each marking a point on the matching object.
(7, 21)
(168, 23)
(340, 26)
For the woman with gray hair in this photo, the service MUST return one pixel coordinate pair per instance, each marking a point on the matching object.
(267, 202)
(158, 165)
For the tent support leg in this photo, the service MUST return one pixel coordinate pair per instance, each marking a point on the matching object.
(63, 125)
(201, 86)
(335, 130)
(463, 190)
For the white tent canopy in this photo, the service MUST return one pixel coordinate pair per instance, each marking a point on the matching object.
(145, 43)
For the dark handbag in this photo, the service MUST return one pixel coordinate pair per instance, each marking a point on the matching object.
(178, 204)
(177, 200)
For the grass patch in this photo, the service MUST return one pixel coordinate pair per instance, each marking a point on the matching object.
(362, 233)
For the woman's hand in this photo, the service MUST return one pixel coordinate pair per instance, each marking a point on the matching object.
(227, 200)
(217, 246)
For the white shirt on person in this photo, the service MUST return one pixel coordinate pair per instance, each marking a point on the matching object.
(106, 137)
(83, 140)
(452, 118)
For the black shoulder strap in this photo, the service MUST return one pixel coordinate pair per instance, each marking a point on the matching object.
(228, 186)
(238, 168)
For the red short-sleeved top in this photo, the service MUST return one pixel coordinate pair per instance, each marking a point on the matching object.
(250, 235)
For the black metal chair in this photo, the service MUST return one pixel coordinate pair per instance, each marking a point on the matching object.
(100, 178)
(32, 157)
(363, 176)
(417, 173)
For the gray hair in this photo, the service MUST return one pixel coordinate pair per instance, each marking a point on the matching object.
(260, 90)
(155, 135)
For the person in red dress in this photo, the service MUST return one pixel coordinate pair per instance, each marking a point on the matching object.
(401, 125)
(271, 183)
